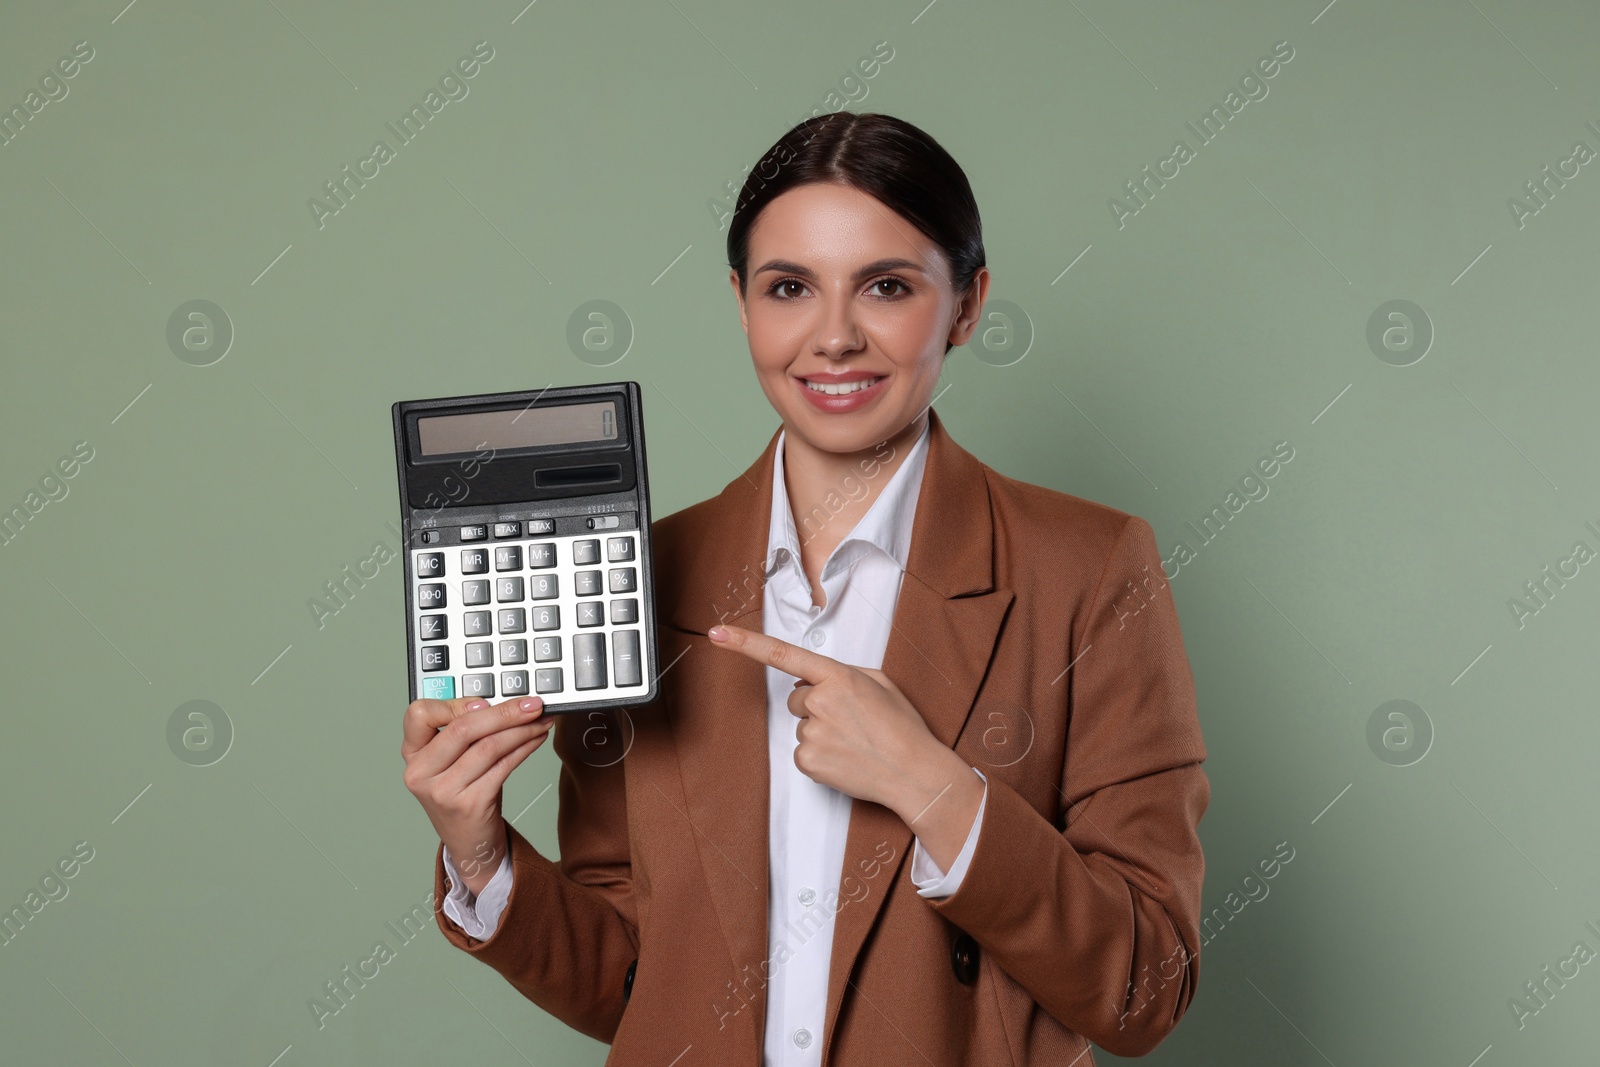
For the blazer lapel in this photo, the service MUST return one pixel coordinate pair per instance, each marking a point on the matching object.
(946, 620)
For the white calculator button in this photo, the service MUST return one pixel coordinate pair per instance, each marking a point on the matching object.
(543, 555)
(546, 618)
(477, 624)
(591, 613)
(589, 661)
(508, 558)
(547, 650)
(624, 611)
(508, 590)
(477, 685)
(624, 579)
(619, 549)
(514, 683)
(512, 620)
(480, 654)
(541, 526)
(547, 680)
(587, 551)
(475, 592)
(587, 583)
(474, 561)
(474, 533)
(507, 529)
(512, 652)
(625, 658)
(542, 586)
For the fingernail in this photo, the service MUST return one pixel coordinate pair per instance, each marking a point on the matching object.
(530, 703)
(476, 704)
(717, 633)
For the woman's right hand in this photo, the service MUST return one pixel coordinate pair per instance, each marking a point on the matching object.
(458, 755)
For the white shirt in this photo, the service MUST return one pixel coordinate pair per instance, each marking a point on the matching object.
(808, 822)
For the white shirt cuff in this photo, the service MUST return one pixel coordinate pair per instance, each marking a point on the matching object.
(481, 915)
(930, 881)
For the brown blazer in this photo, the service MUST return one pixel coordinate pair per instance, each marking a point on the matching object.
(1037, 636)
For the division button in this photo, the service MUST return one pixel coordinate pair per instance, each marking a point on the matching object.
(587, 583)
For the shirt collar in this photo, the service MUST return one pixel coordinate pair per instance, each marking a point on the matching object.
(886, 525)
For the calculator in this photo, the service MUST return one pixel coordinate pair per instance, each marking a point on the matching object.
(526, 520)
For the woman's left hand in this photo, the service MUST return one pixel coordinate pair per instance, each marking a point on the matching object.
(857, 732)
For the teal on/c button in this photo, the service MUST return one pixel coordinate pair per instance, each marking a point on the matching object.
(439, 688)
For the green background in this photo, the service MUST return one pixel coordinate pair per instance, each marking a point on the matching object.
(1229, 314)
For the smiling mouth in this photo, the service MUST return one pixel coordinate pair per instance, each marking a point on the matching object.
(842, 389)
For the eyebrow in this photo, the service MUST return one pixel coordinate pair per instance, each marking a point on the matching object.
(876, 267)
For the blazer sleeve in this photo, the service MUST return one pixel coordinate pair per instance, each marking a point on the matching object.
(569, 929)
(1096, 914)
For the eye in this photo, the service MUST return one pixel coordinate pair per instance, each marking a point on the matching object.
(773, 290)
(903, 287)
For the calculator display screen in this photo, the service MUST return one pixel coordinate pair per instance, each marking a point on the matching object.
(558, 424)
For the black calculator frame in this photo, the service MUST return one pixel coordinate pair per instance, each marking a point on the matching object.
(515, 476)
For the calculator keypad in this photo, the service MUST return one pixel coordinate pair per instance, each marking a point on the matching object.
(557, 617)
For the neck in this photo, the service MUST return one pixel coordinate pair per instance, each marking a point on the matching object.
(829, 492)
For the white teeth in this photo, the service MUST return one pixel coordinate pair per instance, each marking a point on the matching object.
(841, 390)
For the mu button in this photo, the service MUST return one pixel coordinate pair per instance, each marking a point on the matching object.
(964, 959)
(627, 981)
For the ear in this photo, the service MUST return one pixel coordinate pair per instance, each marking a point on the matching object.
(969, 308)
(733, 280)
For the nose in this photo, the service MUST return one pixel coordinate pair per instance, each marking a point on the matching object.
(837, 333)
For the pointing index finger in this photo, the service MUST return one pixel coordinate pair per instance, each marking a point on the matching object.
(803, 663)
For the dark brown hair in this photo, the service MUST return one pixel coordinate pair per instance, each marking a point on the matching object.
(886, 158)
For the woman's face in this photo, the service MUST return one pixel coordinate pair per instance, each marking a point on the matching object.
(844, 291)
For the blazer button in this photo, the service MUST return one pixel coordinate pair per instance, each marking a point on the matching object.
(627, 981)
(964, 959)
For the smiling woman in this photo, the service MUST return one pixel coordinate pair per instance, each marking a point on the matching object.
(813, 765)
